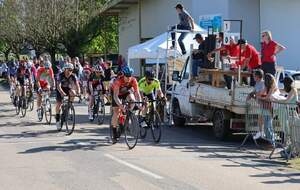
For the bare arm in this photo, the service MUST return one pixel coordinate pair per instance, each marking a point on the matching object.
(279, 48)
(138, 96)
(192, 22)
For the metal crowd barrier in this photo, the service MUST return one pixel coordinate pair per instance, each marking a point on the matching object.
(279, 122)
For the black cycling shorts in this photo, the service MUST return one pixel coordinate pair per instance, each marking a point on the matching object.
(21, 80)
(150, 97)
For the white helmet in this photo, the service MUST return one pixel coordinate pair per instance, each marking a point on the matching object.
(98, 68)
(68, 66)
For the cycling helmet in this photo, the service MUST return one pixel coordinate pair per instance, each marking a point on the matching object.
(149, 75)
(47, 65)
(29, 64)
(68, 66)
(98, 68)
(127, 71)
(22, 63)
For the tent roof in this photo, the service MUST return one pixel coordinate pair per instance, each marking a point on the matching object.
(156, 47)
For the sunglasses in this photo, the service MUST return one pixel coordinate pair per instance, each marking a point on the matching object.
(150, 79)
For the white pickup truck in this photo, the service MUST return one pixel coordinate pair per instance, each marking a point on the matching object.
(192, 102)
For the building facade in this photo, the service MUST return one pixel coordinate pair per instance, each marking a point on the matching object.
(144, 19)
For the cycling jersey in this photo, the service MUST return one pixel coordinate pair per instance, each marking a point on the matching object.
(65, 82)
(12, 71)
(146, 88)
(86, 73)
(123, 86)
(23, 72)
(44, 76)
(107, 74)
(96, 81)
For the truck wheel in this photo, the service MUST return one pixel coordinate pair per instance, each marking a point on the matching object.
(178, 119)
(220, 125)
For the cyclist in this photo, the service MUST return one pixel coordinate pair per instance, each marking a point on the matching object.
(23, 74)
(65, 87)
(95, 85)
(108, 73)
(125, 87)
(33, 72)
(45, 80)
(12, 73)
(85, 78)
(149, 86)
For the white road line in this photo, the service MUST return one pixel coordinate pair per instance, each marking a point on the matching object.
(144, 171)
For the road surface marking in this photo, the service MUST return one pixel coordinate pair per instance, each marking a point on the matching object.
(144, 171)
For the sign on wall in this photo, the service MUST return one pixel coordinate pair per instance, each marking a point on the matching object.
(211, 21)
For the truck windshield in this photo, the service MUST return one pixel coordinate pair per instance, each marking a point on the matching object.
(186, 70)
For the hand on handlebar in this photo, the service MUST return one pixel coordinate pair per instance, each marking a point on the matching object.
(122, 108)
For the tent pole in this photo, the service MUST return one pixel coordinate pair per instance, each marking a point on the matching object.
(157, 67)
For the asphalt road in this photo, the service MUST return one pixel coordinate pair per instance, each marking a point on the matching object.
(35, 156)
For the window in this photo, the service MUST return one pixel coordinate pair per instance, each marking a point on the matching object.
(186, 71)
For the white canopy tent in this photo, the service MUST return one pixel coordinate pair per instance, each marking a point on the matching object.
(157, 47)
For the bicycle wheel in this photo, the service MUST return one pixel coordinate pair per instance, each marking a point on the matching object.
(31, 104)
(62, 119)
(95, 109)
(23, 106)
(132, 130)
(143, 130)
(101, 112)
(48, 112)
(17, 105)
(70, 119)
(156, 127)
(40, 113)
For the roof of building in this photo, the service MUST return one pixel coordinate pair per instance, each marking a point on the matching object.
(114, 7)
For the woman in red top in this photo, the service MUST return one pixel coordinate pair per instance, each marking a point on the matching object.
(269, 50)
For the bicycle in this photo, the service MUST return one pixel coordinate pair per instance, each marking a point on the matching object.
(98, 108)
(30, 99)
(45, 108)
(152, 119)
(22, 102)
(67, 115)
(128, 125)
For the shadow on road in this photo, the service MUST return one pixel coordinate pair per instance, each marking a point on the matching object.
(289, 177)
(19, 124)
(70, 145)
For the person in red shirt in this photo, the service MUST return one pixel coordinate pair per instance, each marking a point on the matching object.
(44, 78)
(124, 87)
(269, 50)
(251, 58)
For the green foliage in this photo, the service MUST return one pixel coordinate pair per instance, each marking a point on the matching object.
(57, 26)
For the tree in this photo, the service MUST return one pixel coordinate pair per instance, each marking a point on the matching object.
(50, 26)
(12, 30)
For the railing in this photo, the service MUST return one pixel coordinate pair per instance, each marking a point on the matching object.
(278, 123)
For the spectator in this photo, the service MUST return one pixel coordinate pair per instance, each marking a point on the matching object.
(199, 57)
(186, 23)
(287, 107)
(257, 92)
(232, 52)
(269, 50)
(251, 59)
(270, 92)
(259, 84)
